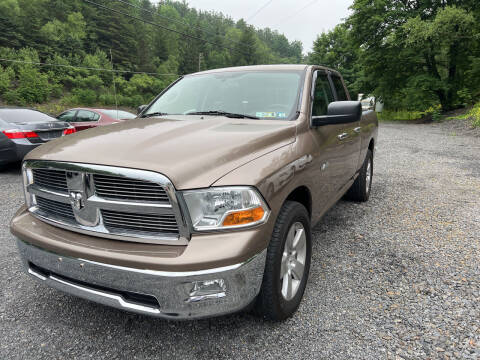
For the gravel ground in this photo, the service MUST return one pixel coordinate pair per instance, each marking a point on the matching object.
(395, 278)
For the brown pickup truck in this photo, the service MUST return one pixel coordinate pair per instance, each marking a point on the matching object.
(204, 204)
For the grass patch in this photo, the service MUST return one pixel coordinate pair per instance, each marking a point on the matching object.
(432, 113)
(402, 115)
(473, 115)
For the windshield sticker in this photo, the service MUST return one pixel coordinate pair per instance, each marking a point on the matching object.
(271, 114)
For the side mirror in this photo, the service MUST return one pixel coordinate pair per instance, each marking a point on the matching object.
(140, 109)
(339, 112)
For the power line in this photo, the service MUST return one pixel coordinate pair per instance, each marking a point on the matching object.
(259, 10)
(86, 68)
(181, 22)
(162, 27)
(289, 17)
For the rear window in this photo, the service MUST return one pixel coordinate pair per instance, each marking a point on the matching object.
(118, 114)
(24, 116)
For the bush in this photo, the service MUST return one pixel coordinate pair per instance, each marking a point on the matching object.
(86, 97)
(6, 77)
(475, 115)
(33, 86)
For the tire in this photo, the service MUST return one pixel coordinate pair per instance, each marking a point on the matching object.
(275, 302)
(361, 188)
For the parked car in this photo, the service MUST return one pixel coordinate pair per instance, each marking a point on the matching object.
(86, 118)
(205, 206)
(21, 130)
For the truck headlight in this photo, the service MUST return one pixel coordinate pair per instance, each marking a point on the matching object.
(225, 208)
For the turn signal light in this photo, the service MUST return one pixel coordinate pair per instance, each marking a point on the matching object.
(69, 131)
(20, 134)
(244, 217)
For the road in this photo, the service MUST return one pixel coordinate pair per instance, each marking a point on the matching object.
(395, 278)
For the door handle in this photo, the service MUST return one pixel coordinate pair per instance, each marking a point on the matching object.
(342, 136)
(357, 130)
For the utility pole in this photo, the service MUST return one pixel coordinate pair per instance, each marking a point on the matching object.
(114, 87)
(200, 58)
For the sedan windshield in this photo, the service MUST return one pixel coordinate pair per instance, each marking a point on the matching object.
(254, 94)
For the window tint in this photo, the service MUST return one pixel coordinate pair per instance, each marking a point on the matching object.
(24, 116)
(341, 94)
(322, 95)
(85, 115)
(67, 116)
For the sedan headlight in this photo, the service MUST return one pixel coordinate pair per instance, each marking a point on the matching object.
(225, 208)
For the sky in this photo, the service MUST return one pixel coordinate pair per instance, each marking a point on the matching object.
(286, 16)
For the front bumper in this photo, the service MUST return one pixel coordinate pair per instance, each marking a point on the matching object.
(163, 294)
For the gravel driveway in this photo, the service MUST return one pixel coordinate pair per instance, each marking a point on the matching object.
(397, 277)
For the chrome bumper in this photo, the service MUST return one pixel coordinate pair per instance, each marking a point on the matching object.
(170, 295)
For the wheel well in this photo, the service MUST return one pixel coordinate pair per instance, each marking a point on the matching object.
(371, 146)
(303, 196)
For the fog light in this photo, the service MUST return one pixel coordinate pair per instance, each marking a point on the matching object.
(208, 289)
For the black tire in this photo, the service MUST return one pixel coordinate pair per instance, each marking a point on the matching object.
(360, 190)
(270, 303)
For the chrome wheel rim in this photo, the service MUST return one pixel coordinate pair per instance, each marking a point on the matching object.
(293, 261)
(369, 175)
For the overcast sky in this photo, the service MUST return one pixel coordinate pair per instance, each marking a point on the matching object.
(286, 16)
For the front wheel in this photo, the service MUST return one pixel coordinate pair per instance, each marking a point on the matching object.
(361, 188)
(287, 264)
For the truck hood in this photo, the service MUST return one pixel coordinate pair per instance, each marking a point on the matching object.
(192, 151)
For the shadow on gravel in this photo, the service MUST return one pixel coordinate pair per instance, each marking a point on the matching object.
(11, 169)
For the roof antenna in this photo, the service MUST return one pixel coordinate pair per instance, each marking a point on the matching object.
(114, 87)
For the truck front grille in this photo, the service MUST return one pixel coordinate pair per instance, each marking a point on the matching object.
(118, 203)
(57, 208)
(114, 187)
(55, 180)
(144, 223)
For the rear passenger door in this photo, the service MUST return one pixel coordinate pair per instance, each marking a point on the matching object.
(85, 119)
(349, 135)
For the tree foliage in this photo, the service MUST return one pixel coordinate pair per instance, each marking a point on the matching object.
(413, 54)
(77, 33)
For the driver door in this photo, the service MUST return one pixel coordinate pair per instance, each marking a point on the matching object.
(332, 152)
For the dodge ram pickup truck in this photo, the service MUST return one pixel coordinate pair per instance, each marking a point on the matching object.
(203, 205)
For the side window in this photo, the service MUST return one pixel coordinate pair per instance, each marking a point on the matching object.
(340, 89)
(67, 116)
(322, 95)
(85, 116)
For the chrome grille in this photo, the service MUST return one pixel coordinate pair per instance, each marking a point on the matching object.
(135, 222)
(114, 187)
(55, 207)
(51, 179)
(117, 203)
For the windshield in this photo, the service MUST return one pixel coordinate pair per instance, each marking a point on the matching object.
(119, 115)
(261, 94)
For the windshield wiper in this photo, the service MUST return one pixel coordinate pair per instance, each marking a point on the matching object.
(154, 114)
(223, 113)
